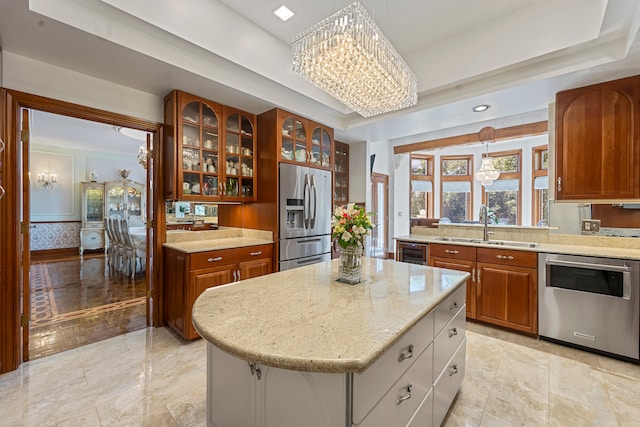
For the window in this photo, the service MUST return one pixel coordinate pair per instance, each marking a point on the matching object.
(503, 196)
(457, 184)
(540, 195)
(421, 186)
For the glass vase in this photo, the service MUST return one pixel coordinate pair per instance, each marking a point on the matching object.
(350, 270)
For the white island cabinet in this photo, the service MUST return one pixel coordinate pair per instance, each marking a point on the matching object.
(297, 348)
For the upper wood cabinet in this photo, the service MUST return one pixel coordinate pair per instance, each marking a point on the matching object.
(597, 141)
(209, 150)
(302, 141)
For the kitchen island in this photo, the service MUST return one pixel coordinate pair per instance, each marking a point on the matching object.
(299, 348)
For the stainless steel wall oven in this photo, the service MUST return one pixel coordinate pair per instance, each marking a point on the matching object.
(590, 302)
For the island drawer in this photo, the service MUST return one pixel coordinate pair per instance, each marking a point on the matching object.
(508, 257)
(448, 340)
(452, 251)
(449, 308)
(448, 383)
(423, 417)
(373, 383)
(401, 401)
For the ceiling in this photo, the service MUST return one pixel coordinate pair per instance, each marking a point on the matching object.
(512, 54)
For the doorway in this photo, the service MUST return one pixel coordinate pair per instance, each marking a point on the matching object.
(80, 173)
(380, 216)
(15, 231)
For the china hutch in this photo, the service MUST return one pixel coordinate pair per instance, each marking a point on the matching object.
(210, 153)
(92, 231)
(124, 199)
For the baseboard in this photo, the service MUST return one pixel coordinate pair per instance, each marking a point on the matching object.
(46, 254)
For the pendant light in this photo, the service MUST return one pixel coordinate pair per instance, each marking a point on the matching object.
(487, 173)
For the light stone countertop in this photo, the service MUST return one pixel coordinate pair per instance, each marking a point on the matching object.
(211, 240)
(598, 249)
(303, 319)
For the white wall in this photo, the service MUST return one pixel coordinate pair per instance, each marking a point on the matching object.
(39, 78)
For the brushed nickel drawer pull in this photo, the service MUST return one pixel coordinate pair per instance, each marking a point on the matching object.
(401, 398)
(504, 257)
(453, 305)
(1, 145)
(256, 253)
(453, 369)
(451, 251)
(406, 354)
(218, 258)
(1, 191)
(453, 332)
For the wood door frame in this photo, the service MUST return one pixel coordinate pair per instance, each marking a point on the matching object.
(11, 171)
(384, 179)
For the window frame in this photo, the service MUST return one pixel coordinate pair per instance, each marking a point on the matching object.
(428, 176)
(537, 171)
(509, 175)
(453, 178)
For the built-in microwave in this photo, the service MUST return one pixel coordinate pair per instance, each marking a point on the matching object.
(414, 253)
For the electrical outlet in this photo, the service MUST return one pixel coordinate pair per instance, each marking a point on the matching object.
(590, 226)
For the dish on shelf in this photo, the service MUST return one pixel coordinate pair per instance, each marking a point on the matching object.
(286, 154)
(300, 155)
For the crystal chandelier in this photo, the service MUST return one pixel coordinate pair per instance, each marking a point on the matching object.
(142, 156)
(487, 173)
(347, 56)
(48, 180)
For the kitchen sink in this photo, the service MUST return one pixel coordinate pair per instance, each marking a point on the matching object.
(488, 242)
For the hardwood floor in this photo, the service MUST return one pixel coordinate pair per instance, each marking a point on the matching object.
(76, 300)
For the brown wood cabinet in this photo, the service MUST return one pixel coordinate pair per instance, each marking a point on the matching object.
(187, 275)
(507, 289)
(209, 153)
(503, 286)
(598, 141)
(460, 258)
(341, 174)
(300, 140)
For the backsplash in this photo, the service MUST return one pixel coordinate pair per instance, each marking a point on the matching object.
(55, 235)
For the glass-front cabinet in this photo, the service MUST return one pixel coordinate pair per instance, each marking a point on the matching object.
(92, 231)
(341, 174)
(214, 150)
(304, 141)
(124, 199)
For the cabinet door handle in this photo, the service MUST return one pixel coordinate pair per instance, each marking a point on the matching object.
(218, 258)
(238, 275)
(454, 305)
(406, 354)
(559, 183)
(1, 192)
(402, 397)
(451, 251)
(504, 257)
(453, 332)
(252, 368)
(259, 372)
(453, 369)
(473, 275)
(234, 276)
(1, 145)
(256, 253)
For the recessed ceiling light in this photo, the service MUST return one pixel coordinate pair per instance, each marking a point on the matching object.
(283, 13)
(480, 108)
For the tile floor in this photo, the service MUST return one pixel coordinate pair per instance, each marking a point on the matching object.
(153, 378)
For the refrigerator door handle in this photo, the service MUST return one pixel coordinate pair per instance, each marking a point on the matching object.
(306, 202)
(315, 203)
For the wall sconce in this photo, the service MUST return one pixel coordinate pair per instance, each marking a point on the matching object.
(47, 180)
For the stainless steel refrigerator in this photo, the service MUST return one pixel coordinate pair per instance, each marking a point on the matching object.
(305, 216)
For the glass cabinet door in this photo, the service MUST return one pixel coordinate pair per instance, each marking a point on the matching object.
(115, 202)
(320, 147)
(95, 205)
(294, 140)
(240, 157)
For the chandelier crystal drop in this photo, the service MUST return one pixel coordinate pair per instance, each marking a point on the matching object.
(347, 56)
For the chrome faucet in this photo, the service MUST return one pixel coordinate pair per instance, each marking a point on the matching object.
(484, 215)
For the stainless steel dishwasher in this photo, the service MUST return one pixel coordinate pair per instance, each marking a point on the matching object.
(591, 303)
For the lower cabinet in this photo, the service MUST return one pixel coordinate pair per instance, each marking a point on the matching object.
(460, 258)
(187, 275)
(413, 383)
(91, 239)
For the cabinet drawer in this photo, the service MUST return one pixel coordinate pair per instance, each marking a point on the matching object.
(423, 417)
(448, 384)
(373, 383)
(448, 340)
(401, 401)
(449, 308)
(229, 256)
(453, 251)
(508, 257)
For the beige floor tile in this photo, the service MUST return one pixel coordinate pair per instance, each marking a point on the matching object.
(567, 412)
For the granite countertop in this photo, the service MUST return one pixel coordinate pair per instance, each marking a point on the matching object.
(211, 240)
(610, 248)
(303, 319)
